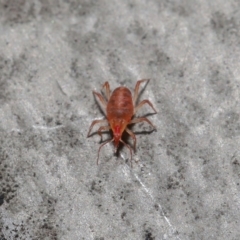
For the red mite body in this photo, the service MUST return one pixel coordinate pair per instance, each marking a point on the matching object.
(120, 109)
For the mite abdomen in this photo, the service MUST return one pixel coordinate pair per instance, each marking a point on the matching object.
(120, 104)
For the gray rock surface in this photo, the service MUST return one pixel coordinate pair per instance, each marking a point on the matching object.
(184, 183)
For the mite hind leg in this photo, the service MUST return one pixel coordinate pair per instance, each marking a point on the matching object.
(136, 90)
(133, 137)
(107, 89)
(102, 121)
(142, 119)
(146, 101)
(101, 99)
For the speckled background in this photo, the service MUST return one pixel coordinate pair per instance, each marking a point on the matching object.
(184, 183)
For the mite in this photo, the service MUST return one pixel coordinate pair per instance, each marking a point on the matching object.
(120, 108)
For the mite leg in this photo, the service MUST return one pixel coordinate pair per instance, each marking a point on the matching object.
(142, 103)
(133, 136)
(102, 128)
(107, 88)
(136, 90)
(110, 140)
(95, 122)
(142, 119)
(128, 148)
(101, 98)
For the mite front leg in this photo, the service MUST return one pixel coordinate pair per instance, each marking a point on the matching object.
(102, 128)
(133, 137)
(136, 90)
(104, 121)
(128, 148)
(107, 88)
(142, 119)
(146, 101)
(110, 140)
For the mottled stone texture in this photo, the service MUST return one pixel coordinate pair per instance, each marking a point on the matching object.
(185, 181)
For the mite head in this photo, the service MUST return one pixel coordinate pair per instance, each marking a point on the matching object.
(117, 126)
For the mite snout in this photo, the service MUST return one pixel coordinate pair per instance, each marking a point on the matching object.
(116, 141)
